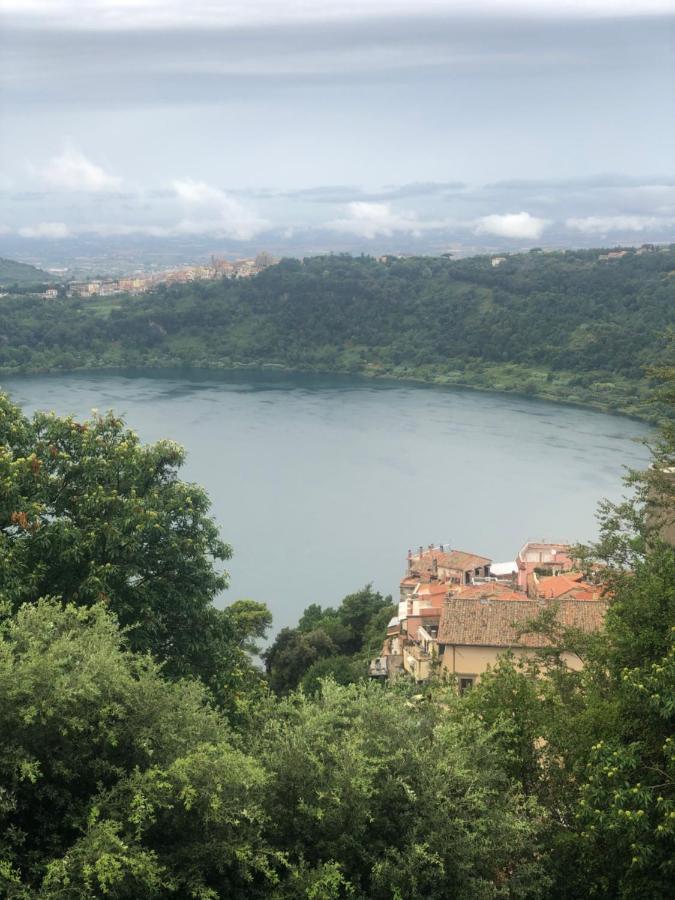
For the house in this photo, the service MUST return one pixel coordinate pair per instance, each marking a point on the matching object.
(497, 261)
(545, 558)
(475, 631)
(446, 565)
(431, 574)
(568, 585)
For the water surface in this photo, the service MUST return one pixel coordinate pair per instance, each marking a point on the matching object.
(322, 483)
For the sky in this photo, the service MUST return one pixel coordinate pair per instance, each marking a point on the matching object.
(306, 126)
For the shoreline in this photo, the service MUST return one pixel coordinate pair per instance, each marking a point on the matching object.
(261, 368)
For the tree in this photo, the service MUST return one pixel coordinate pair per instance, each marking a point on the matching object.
(91, 515)
(113, 781)
(353, 631)
(395, 799)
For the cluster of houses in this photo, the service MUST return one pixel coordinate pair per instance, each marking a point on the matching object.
(139, 284)
(458, 612)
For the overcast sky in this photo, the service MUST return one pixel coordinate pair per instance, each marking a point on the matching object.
(378, 119)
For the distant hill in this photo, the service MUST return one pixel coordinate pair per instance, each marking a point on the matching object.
(580, 326)
(12, 272)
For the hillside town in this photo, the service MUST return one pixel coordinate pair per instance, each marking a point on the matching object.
(458, 611)
(140, 283)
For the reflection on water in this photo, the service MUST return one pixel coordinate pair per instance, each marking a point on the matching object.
(321, 483)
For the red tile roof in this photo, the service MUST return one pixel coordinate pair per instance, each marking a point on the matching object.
(553, 586)
(495, 623)
(491, 589)
(447, 559)
(458, 559)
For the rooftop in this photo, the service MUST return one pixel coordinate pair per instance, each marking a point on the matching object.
(553, 586)
(494, 623)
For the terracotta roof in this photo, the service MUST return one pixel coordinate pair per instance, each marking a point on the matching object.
(494, 623)
(458, 559)
(553, 586)
(491, 589)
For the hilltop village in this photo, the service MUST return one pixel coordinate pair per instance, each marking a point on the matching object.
(458, 611)
(141, 283)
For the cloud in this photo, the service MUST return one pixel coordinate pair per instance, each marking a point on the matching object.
(72, 171)
(220, 213)
(45, 230)
(604, 224)
(369, 220)
(513, 225)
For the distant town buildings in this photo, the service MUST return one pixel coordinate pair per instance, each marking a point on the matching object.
(139, 284)
(459, 611)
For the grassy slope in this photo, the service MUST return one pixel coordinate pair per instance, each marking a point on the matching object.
(12, 273)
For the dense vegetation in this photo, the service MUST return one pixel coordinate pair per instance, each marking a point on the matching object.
(20, 274)
(142, 754)
(565, 326)
(329, 642)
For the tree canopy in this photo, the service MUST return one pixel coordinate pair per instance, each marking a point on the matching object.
(564, 325)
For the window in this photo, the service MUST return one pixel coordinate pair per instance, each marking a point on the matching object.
(465, 683)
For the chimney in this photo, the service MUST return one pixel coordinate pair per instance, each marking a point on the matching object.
(410, 556)
(421, 551)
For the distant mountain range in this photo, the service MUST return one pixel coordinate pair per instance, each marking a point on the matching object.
(12, 272)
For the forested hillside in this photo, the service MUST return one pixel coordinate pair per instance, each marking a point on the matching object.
(566, 326)
(16, 273)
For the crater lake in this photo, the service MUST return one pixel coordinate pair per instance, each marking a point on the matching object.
(321, 484)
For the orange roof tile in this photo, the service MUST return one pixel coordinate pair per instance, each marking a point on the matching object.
(553, 586)
(494, 623)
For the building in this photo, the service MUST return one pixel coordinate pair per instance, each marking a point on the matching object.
(475, 632)
(497, 261)
(446, 565)
(566, 586)
(544, 558)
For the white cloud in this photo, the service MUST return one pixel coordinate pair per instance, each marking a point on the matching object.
(72, 171)
(604, 224)
(369, 220)
(220, 213)
(513, 225)
(45, 230)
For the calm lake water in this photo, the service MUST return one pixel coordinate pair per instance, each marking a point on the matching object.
(321, 483)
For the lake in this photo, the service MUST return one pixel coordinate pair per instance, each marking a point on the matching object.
(322, 483)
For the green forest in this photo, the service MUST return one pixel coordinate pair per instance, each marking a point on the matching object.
(15, 274)
(145, 753)
(565, 326)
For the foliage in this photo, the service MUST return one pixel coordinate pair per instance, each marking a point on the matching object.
(114, 781)
(329, 641)
(398, 798)
(562, 325)
(16, 274)
(596, 747)
(89, 514)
